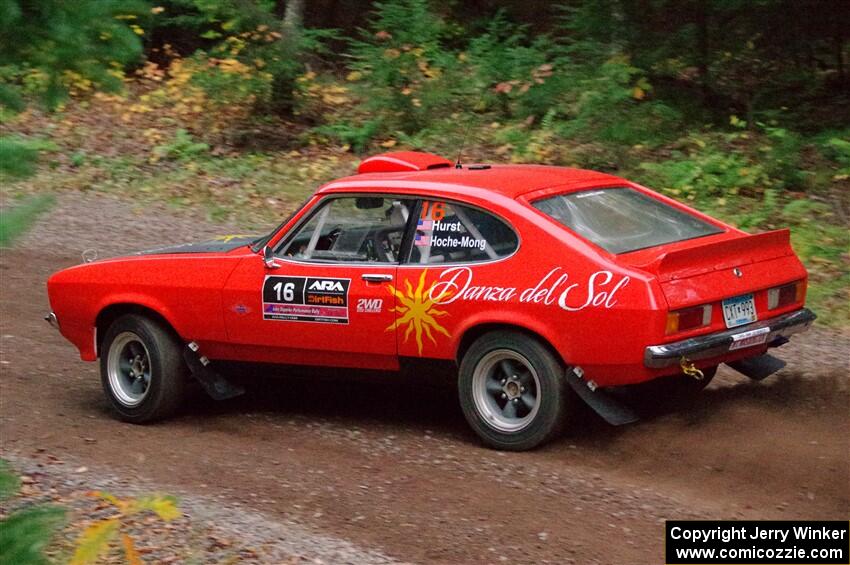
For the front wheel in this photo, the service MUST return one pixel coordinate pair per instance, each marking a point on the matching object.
(141, 369)
(512, 391)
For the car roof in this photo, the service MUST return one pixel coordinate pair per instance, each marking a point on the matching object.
(511, 181)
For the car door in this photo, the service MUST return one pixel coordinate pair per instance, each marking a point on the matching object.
(453, 273)
(329, 299)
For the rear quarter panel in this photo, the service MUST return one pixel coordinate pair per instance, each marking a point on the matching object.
(596, 313)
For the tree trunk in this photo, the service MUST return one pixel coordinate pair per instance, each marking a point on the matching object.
(703, 55)
(286, 70)
(293, 17)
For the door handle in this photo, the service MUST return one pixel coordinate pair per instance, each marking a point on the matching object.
(376, 278)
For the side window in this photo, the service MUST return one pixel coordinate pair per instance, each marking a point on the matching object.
(352, 229)
(451, 233)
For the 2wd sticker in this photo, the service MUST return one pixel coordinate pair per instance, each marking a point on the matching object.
(306, 299)
(370, 305)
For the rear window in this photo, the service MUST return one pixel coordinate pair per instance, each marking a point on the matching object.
(622, 219)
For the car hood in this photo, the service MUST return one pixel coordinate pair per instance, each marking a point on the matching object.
(221, 244)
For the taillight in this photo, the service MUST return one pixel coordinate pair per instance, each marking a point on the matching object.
(688, 318)
(784, 295)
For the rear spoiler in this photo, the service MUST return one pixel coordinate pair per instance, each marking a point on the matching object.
(721, 255)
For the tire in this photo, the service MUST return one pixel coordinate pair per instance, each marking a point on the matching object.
(142, 370)
(532, 381)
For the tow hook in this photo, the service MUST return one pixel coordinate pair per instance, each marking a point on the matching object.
(689, 369)
(52, 320)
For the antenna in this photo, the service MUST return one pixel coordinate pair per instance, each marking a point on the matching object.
(458, 164)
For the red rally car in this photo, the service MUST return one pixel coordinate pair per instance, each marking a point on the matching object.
(537, 285)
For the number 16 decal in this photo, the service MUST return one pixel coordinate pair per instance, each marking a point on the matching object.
(288, 291)
(306, 299)
(433, 210)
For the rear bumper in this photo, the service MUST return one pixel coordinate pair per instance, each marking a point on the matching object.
(717, 344)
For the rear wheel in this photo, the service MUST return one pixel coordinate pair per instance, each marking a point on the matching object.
(141, 369)
(512, 391)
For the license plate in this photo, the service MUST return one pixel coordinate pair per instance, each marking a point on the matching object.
(739, 310)
(749, 339)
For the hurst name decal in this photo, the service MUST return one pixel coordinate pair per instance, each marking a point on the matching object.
(306, 299)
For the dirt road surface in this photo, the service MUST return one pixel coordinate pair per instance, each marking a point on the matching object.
(391, 469)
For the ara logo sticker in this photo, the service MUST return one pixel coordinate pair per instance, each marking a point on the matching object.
(306, 299)
(327, 285)
(370, 305)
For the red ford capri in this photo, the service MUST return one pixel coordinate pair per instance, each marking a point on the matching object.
(536, 286)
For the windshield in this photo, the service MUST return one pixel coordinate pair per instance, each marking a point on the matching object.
(622, 219)
(262, 241)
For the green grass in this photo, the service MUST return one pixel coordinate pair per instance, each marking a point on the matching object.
(19, 156)
(17, 219)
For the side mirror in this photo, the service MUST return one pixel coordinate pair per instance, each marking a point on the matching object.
(269, 258)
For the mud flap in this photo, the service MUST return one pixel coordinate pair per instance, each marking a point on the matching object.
(609, 408)
(218, 387)
(758, 368)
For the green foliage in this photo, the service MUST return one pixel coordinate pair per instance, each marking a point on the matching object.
(836, 147)
(9, 481)
(229, 83)
(515, 73)
(58, 43)
(609, 103)
(25, 533)
(783, 158)
(17, 159)
(210, 19)
(357, 136)
(411, 75)
(401, 69)
(19, 156)
(16, 220)
(255, 35)
(705, 171)
(182, 147)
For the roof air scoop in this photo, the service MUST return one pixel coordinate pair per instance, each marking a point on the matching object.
(401, 162)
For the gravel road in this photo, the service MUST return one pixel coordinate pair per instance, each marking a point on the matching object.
(371, 472)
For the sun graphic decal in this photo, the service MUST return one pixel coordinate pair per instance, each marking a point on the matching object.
(416, 310)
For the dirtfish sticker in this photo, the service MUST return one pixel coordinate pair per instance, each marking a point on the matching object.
(306, 299)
